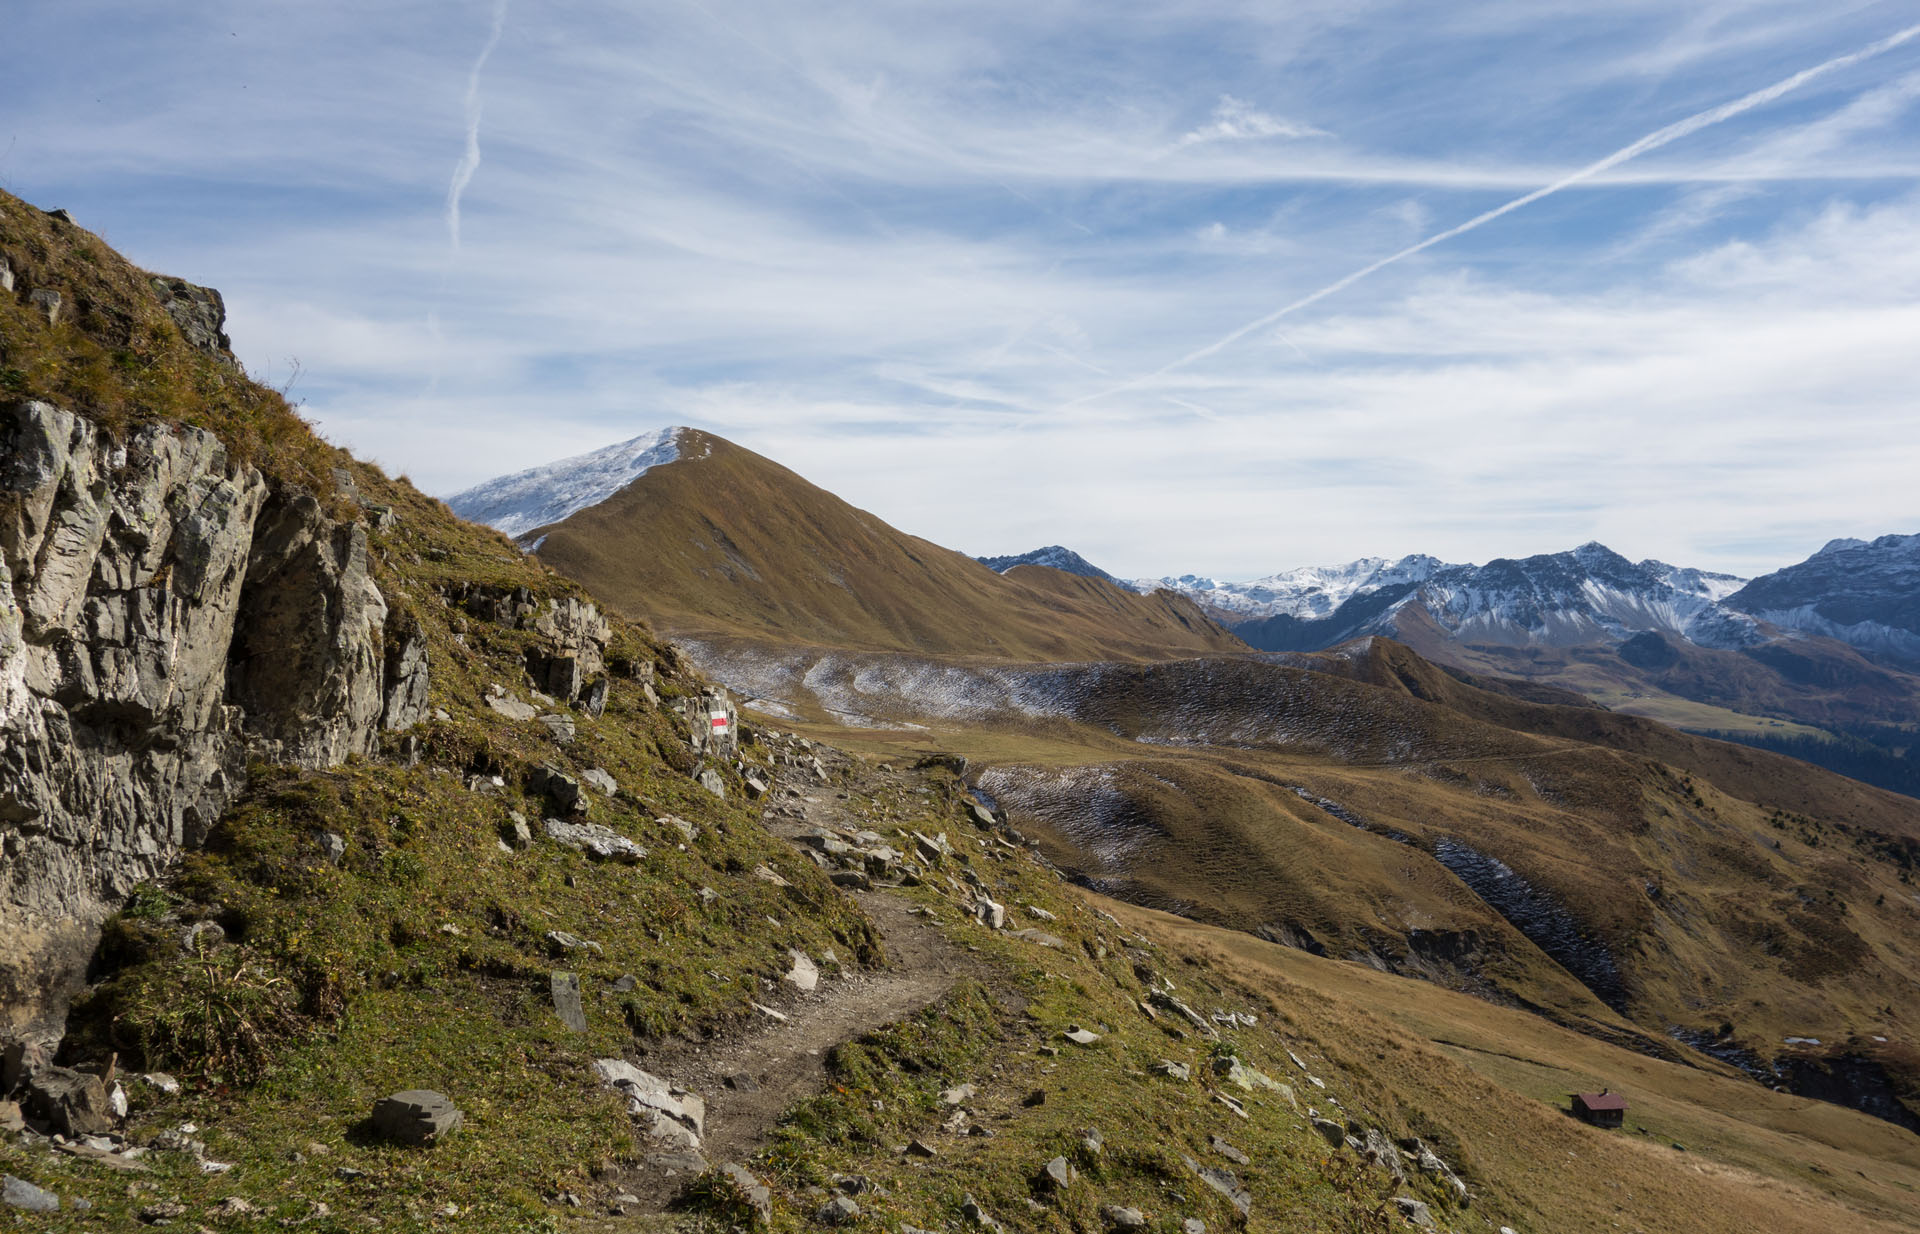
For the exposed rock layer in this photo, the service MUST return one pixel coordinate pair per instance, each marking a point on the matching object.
(161, 612)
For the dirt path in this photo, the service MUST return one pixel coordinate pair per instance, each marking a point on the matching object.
(750, 1075)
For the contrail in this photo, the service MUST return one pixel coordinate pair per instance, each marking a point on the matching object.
(1652, 141)
(470, 160)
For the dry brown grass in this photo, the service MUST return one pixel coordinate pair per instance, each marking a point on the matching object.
(117, 358)
(1753, 1159)
(727, 542)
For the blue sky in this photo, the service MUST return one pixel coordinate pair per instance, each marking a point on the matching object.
(986, 269)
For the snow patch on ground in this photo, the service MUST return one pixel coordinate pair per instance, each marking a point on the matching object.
(535, 498)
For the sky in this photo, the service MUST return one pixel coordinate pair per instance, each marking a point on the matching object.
(1012, 274)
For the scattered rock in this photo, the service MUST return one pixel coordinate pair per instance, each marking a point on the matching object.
(991, 912)
(711, 780)
(1226, 1183)
(1172, 1070)
(1230, 1152)
(680, 1161)
(511, 707)
(855, 880)
(416, 1116)
(559, 727)
(333, 846)
(1056, 1176)
(161, 1212)
(202, 936)
(1090, 1141)
(840, 1210)
(1080, 1036)
(596, 841)
(72, 1103)
(778, 1017)
(920, 1148)
(10, 1118)
(751, 1190)
(21, 1194)
(47, 302)
(971, 1210)
(1414, 1211)
(958, 1095)
(805, 974)
(562, 942)
(567, 1003)
(1119, 1217)
(756, 784)
(234, 1206)
(741, 1082)
(1193, 1225)
(667, 1112)
(1334, 1134)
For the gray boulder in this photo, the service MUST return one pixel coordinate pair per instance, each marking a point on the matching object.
(1120, 1217)
(566, 1001)
(71, 1103)
(840, 1210)
(752, 1191)
(416, 1116)
(21, 1194)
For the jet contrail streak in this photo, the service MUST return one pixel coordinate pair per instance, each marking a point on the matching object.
(470, 160)
(1652, 141)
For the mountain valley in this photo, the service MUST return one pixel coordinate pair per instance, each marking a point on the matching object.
(691, 850)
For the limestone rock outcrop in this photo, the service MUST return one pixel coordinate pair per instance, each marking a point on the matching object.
(162, 612)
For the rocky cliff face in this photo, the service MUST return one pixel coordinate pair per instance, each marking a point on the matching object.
(162, 614)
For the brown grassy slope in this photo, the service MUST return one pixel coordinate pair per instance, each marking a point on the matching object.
(727, 542)
(1755, 1160)
(1714, 908)
(1740, 771)
(1815, 681)
(114, 355)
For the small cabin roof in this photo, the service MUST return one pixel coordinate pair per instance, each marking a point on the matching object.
(1601, 1101)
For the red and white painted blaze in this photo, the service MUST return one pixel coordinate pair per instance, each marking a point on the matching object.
(718, 719)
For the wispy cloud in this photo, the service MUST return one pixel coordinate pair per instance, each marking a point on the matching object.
(1235, 120)
(1652, 141)
(892, 246)
(469, 163)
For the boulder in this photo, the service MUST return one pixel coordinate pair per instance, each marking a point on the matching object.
(71, 1103)
(567, 1003)
(1172, 1070)
(752, 1191)
(600, 780)
(560, 788)
(804, 975)
(1120, 1217)
(711, 780)
(1333, 1133)
(596, 841)
(1226, 1183)
(1056, 1176)
(840, 1210)
(559, 727)
(1415, 1211)
(1229, 1151)
(21, 1194)
(416, 1116)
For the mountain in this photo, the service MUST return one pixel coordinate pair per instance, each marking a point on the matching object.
(1866, 595)
(311, 793)
(519, 503)
(720, 542)
(1560, 599)
(1055, 557)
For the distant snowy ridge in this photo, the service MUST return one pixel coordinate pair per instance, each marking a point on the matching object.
(541, 496)
(1306, 592)
(1054, 556)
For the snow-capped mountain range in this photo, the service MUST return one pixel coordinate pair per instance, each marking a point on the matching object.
(1866, 594)
(1862, 593)
(541, 496)
(1589, 594)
